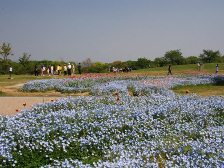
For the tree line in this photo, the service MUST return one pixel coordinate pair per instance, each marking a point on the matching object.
(25, 65)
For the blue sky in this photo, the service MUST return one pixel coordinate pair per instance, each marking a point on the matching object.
(110, 30)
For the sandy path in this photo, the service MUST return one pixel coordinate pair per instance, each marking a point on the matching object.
(14, 91)
(13, 100)
(12, 105)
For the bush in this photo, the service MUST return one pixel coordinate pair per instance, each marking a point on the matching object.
(218, 80)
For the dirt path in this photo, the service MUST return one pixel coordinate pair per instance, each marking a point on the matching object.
(15, 100)
(12, 105)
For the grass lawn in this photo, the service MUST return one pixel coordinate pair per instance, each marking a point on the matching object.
(203, 90)
(9, 87)
(18, 79)
(184, 69)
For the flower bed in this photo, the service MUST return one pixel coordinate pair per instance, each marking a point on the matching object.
(104, 84)
(156, 128)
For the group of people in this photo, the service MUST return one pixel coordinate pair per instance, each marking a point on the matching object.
(113, 69)
(216, 67)
(199, 65)
(66, 69)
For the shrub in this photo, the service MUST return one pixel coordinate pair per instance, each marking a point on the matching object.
(218, 80)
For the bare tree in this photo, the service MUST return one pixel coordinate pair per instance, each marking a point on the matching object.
(87, 62)
(5, 50)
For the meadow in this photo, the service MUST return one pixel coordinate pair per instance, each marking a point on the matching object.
(133, 120)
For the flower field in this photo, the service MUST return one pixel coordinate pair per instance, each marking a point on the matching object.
(126, 122)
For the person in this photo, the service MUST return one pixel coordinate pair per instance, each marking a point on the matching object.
(217, 68)
(10, 72)
(79, 68)
(59, 69)
(110, 69)
(73, 69)
(65, 70)
(48, 70)
(169, 70)
(52, 70)
(43, 68)
(36, 70)
(69, 69)
(114, 69)
(199, 66)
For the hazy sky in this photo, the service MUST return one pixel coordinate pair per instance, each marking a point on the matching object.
(110, 30)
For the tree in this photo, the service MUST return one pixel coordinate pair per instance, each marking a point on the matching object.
(5, 50)
(24, 60)
(174, 57)
(222, 58)
(160, 62)
(117, 64)
(25, 65)
(131, 64)
(209, 56)
(192, 60)
(143, 63)
(98, 67)
(87, 62)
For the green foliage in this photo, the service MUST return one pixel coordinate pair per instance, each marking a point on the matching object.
(24, 60)
(218, 116)
(39, 157)
(174, 57)
(98, 67)
(132, 64)
(160, 62)
(209, 56)
(4, 66)
(187, 149)
(158, 116)
(88, 154)
(192, 60)
(143, 63)
(218, 80)
(132, 91)
(117, 64)
(26, 67)
(5, 51)
(2, 93)
(193, 135)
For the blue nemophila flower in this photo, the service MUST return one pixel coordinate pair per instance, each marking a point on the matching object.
(149, 126)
